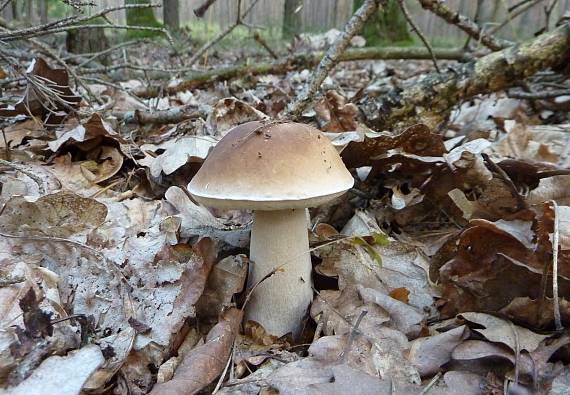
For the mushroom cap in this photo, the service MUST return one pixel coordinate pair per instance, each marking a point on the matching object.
(271, 166)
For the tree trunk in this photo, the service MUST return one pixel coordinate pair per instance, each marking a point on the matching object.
(141, 17)
(171, 14)
(43, 10)
(291, 19)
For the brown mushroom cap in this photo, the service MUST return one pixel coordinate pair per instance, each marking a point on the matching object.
(271, 167)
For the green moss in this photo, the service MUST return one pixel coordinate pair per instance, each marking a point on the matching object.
(141, 17)
(388, 26)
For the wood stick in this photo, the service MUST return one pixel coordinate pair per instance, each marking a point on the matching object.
(200, 79)
(332, 57)
(464, 23)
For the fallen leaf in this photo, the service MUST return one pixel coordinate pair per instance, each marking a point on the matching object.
(204, 363)
(61, 375)
(428, 354)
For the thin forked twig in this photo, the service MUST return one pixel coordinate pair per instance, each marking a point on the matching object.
(71, 20)
(352, 335)
(27, 172)
(419, 33)
(222, 34)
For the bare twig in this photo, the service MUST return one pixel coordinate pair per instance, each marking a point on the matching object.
(173, 115)
(221, 35)
(555, 243)
(352, 335)
(419, 33)
(464, 23)
(4, 5)
(197, 79)
(513, 15)
(332, 57)
(48, 28)
(547, 12)
(539, 95)
(475, 20)
(431, 383)
(200, 11)
(257, 37)
(27, 172)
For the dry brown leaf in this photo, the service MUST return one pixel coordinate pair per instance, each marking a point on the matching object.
(204, 363)
(226, 278)
(403, 317)
(502, 331)
(335, 114)
(230, 112)
(428, 354)
(60, 214)
(106, 162)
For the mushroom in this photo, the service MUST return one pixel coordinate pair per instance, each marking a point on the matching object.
(278, 170)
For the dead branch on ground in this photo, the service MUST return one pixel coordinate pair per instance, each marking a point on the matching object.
(200, 79)
(430, 99)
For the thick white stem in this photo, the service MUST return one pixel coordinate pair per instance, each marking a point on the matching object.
(279, 239)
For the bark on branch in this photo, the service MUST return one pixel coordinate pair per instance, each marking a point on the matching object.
(199, 79)
(464, 23)
(430, 99)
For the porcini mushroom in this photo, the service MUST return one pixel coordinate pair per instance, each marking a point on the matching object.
(276, 169)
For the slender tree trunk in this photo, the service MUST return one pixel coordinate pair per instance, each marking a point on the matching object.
(291, 19)
(141, 17)
(171, 14)
(43, 11)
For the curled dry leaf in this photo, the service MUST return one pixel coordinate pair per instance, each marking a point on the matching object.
(335, 114)
(105, 163)
(428, 354)
(226, 278)
(417, 140)
(197, 220)
(230, 112)
(88, 135)
(403, 317)
(177, 153)
(204, 363)
(489, 257)
(501, 331)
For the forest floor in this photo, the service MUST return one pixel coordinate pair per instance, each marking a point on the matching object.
(433, 274)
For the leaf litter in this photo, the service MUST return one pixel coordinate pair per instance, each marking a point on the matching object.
(436, 268)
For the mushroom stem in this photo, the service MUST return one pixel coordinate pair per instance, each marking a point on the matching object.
(279, 240)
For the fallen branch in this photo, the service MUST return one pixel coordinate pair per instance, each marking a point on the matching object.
(332, 57)
(539, 95)
(174, 115)
(430, 99)
(199, 79)
(464, 23)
